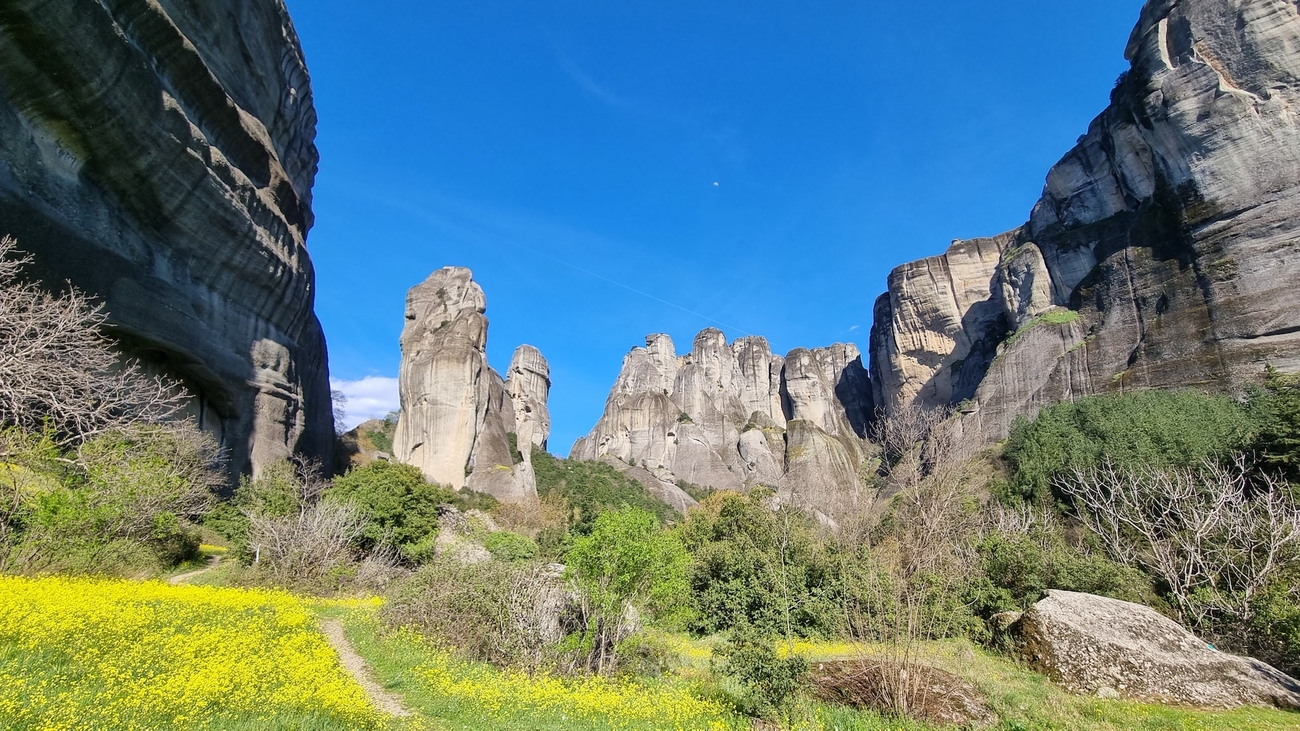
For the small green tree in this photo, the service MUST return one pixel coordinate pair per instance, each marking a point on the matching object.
(627, 565)
(1276, 411)
(399, 506)
(770, 682)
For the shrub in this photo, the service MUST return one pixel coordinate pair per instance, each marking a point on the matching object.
(1150, 428)
(506, 614)
(126, 502)
(507, 546)
(770, 682)
(396, 503)
(755, 566)
(626, 561)
(1276, 411)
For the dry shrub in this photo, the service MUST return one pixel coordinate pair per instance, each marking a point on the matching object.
(921, 692)
(506, 614)
(305, 547)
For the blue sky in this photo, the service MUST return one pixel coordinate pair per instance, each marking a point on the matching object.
(610, 170)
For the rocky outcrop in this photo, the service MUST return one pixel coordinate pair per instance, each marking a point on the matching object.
(160, 156)
(1107, 647)
(1162, 253)
(460, 421)
(735, 416)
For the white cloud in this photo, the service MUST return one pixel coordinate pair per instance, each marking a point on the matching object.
(371, 397)
(855, 328)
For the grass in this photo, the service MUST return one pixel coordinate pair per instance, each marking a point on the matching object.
(105, 654)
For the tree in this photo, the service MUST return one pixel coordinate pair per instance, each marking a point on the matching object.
(626, 565)
(58, 370)
(398, 505)
(1276, 410)
(1216, 535)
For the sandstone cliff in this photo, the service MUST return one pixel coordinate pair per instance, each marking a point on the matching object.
(733, 417)
(1163, 252)
(461, 423)
(160, 156)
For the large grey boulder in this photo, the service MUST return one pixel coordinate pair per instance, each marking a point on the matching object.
(160, 156)
(460, 421)
(736, 416)
(1163, 252)
(1092, 644)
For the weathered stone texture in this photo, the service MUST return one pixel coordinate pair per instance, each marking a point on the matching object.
(1100, 646)
(723, 416)
(160, 156)
(1170, 229)
(458, 415)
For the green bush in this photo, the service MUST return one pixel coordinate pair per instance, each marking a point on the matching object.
(589, 489)
(508, 547)
(1151, 428)
(1276, 411)
(1022, 566)
(770, 682)
(755, 566)
(627, 560)
(1275, 628)
(124, 503)
(398, 505)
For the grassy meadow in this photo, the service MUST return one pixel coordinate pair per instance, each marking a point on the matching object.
(80, 653)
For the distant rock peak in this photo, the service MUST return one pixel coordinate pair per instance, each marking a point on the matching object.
(461, 423)
(720, 416)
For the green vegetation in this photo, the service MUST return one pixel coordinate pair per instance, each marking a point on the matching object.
(1058, 316)
(1275, 409)
(770, 683)
(399, 506)
(754, 566)
(1155, 428)
(125, 503)
(585, 490)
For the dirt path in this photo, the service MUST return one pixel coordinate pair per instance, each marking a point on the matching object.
(387, 702)
(182, 578)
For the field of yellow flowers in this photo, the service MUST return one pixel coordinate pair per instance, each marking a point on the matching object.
(105, 654)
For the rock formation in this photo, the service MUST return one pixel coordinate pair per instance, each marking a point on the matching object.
(1162, 253)
(732, 417)
(160, 156)
(1091, 644)
(461, 423)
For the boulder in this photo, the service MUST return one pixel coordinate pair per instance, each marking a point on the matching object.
(1107, 647)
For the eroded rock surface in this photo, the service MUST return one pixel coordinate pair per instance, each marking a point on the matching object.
(461, 423)
(160, 156)
(1163, 252)
(1100, 646)
(736, 416)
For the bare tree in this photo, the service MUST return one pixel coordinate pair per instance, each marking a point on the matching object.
(1217, 535)
(57, 368)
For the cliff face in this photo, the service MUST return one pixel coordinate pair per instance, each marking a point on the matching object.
(1163, 252)
(735, 416)
(461, 423)
(160, 156)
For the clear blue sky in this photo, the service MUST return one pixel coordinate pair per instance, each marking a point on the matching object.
(568, 152)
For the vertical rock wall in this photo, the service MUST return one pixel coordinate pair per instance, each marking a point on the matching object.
(461, 423)
(159, 155)
(1163, 253)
